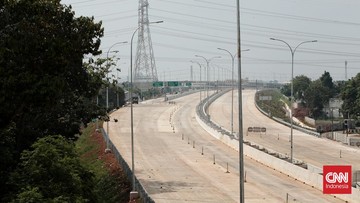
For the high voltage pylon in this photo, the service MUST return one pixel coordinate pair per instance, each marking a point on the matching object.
(145, 69)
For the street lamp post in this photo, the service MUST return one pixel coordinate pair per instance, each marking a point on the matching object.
(107, 72)
(107, 96)
(131, 111)
(200, 76)
(241, 132)
(292, 91)
(232, 85)
(117, 87)
(208, 71)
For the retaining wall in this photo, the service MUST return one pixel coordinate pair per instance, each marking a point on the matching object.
(139, 188)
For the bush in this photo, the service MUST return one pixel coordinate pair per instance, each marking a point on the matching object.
(51, 172)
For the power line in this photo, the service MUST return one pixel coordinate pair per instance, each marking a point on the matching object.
(265, 13)
(230, 23)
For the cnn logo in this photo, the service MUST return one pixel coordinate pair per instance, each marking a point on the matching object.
(337, 179)
(333, 177)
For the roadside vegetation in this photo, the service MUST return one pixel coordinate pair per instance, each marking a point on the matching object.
(49, 94)
(313, 98)
(313, 95)
(111, 185)
(275, 106)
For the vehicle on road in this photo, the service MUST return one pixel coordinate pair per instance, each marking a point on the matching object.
(135, 100)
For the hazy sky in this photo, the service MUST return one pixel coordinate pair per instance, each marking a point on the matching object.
(199, 27)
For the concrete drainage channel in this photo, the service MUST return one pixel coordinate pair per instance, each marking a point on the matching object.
(300, 170)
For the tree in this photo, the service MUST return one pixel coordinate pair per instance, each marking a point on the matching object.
(328, 83)
(301, 83)
(42, 73)
(286, 90)
(315, 98)
(350, 94)
(326, 80)
(51, 171)
(45, 87)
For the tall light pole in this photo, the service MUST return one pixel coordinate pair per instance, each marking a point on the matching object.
(241, 134)
(292, 92)
(107, 95)
(208, 71)
(107, 73)
(117, 82)
(117, 87)
(232, 85)
(200, 76)
(131, 108)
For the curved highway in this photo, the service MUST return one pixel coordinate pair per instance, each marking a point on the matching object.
(313, 150)
(174, 159)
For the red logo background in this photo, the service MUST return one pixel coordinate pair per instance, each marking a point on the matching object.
(336, 185)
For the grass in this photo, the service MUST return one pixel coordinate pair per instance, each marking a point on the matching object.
(88, 151)
(111, 183)
(275, 106)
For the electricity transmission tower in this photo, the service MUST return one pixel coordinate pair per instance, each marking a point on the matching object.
(145, 69)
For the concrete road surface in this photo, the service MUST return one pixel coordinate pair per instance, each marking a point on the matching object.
(313, 150)
(170, 165)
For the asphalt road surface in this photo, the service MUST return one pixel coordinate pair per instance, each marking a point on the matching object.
(170, 165)
(308, 148)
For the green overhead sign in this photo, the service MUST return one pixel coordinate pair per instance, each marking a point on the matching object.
(173, 83)
(158, 84)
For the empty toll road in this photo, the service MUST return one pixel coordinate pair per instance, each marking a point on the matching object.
(171, 167)
(308, 148)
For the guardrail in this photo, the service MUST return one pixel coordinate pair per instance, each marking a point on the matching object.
(307, 131)
(299, 170)
(139, 188)
(171, 97)
(201, 110)
(205, 117)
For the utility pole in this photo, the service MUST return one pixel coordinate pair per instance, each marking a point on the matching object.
(241, 135)
(145, 68)
(346, 70)
(191, 73)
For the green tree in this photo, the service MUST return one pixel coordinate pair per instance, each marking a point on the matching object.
(301, 83)
(315, 98)
(319, 93)
(51, 172)
(327, 80)
(45, 87)
(286, 90)
(43, 80)
(350, 94)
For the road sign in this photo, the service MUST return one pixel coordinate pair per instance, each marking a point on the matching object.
(265, 98)
(158, 84)
(256, 129)
(173, 83)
